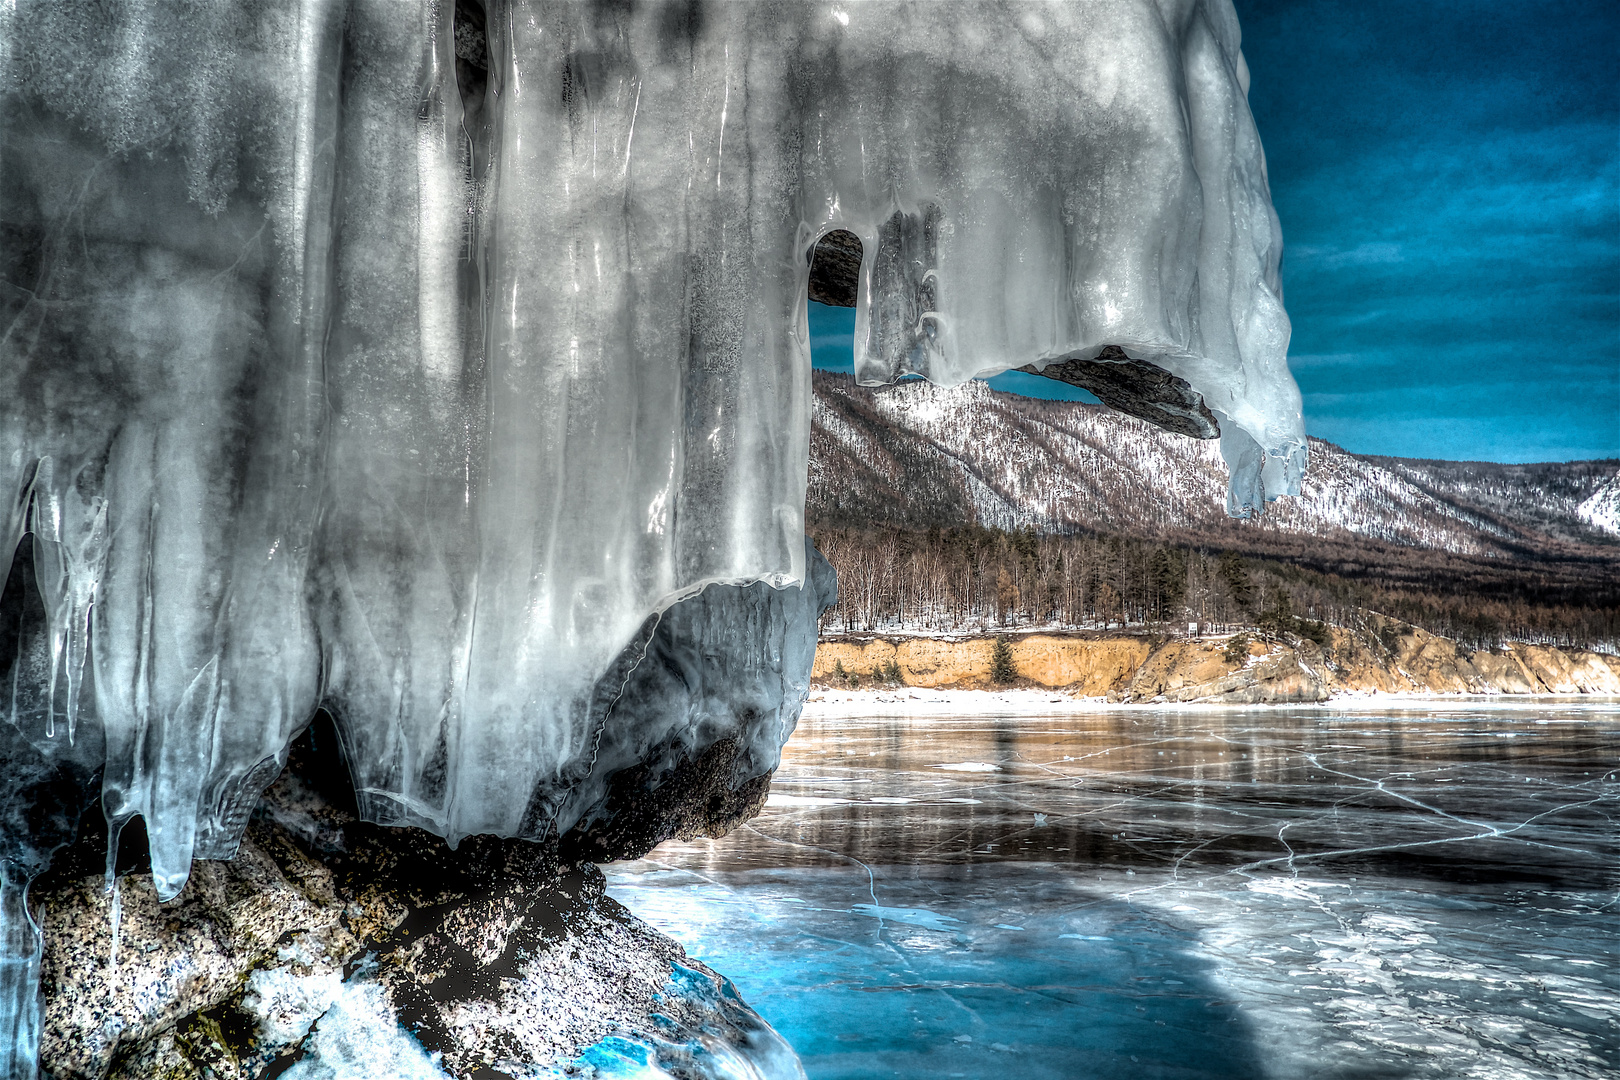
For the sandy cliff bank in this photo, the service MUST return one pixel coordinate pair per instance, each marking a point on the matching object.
(1385, 657)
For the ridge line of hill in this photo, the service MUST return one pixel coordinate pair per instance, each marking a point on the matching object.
(944, 509)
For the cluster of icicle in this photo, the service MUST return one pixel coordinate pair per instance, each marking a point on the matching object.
(403, 358)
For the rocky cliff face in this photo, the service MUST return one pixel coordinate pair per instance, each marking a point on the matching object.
(333, 948)
(1249, 675)
(1089, 665)
(1384, 656)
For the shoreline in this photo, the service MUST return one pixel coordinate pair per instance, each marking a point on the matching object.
(1384, 660)
(831, 703)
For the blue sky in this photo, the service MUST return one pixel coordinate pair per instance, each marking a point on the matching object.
(1448, 178)
(832, 348)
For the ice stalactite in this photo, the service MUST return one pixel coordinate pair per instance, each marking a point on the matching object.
(48, 774)
(406, 358)
(19, 976)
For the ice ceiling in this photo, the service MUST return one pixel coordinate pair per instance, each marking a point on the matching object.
(403, 359)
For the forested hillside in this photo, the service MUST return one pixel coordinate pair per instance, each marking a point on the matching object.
(949, 510)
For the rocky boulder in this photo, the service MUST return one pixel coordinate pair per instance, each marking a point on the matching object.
(332, 948)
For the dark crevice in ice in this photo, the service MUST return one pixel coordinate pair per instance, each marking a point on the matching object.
(835, 269)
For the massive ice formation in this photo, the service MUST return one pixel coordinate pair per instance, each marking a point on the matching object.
(407, 357)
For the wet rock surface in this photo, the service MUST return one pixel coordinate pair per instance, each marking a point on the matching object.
(330, 947)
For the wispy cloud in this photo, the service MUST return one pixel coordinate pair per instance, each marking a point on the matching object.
(1368, 253)
(1452, 219)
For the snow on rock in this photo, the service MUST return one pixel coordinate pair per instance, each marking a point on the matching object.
(357, 1038)
(284, 1004)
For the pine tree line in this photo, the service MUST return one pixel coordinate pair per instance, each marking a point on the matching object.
(973, 579)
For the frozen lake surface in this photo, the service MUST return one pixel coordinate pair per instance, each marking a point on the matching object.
(1328, 893)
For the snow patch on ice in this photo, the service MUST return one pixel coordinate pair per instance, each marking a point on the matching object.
(777, 798)
(910, 916)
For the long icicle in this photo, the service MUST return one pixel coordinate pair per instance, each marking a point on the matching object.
(21, 951)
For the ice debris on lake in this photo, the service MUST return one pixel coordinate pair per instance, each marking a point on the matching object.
(409, 359)
(722, 1039)
(347, 1030)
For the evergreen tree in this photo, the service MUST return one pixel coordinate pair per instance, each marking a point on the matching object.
(1235, 576)
(1279, 617)
(1167, 571)
(1001, 662)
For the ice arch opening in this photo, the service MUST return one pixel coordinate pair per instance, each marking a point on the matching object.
(406, 359)
(1135, 387)
(835, 269)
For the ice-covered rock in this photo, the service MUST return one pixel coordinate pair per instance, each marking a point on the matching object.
(697, 720)
(408, 358)
(331, 948)
(694, 714)
(354, 357)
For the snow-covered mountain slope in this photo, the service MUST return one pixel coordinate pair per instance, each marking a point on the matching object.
(916, 454)
(1601, 509)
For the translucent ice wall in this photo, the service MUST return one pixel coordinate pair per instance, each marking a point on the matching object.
(1035, 182)
(404, 357)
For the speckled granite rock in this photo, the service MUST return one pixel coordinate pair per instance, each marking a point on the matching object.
(334, 948)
